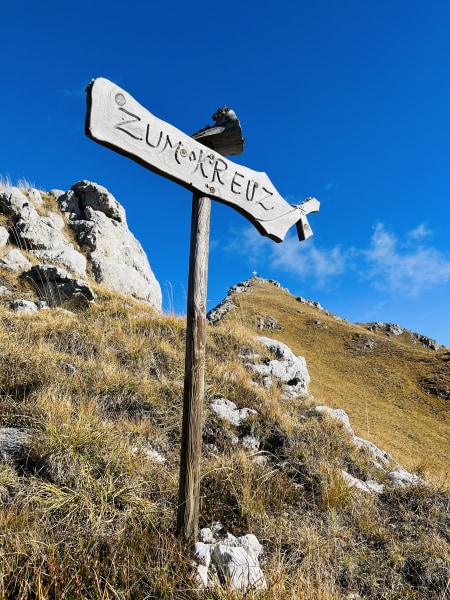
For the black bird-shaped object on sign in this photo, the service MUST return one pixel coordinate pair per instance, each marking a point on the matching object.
(225, 137)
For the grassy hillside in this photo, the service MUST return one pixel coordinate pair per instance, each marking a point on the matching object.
(395, 390)
(90, 511)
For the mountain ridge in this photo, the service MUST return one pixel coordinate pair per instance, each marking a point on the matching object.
(406, 382)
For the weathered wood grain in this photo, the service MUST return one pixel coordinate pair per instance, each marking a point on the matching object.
(191, 437)
(116, 120)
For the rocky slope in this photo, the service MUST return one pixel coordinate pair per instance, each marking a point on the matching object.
(393, 383)
(298, 499)
(59, 240)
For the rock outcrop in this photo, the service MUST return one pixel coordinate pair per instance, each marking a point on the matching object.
(236, 561)
(397, 476)
(86, 234)
(391, 329)
(286, 367)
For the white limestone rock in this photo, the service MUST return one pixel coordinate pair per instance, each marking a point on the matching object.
(117, 259)
(43, 237)
(380, 458)
(339, 414)
(56, 286)
(99, 199)
(286, 367)
(365, 486)
(4, 291)
(236, 560)
(35, 196)
(14, 260)
(12, 201)
(4, 236)
(23, 306)
(149, 453)
(402, 478)
(398, 477)
(15, 443)
(228, 410)
(40, 235)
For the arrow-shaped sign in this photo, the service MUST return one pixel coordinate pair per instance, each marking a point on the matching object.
(114, 119)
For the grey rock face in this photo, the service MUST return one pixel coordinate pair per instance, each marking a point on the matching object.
(285, 366)
(14, 260)
(56, 286)
(237, 559)
(4, 236)
(115, 255)
(41, 236)
(15, 443)
(116, 258)
(99, 199)
(230, 412)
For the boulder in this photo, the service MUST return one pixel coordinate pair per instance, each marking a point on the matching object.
(57, 287)
(4, 236)
(24, 306)
(14, 260)
(4, 291)
(402, 478)
(286, 367)
(15, 443)
(370, 487)
(12, 201)
(236, 560)
(228, 410)
(117, 259)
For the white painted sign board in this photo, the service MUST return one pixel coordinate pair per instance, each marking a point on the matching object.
(116, 120)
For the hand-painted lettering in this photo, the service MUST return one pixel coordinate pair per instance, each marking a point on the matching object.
(261, 200)
(218, 171)
(202, 159)
(251, 195)
(147, 138)
(121, 125)
(236, 183)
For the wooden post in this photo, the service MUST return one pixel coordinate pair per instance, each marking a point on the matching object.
(191, 436)
(115, 120)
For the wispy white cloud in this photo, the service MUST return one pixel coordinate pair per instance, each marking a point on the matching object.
(405, 266)
(305, 260)
(420, 232)
(330, 186)
(308, 261)
(401, 267)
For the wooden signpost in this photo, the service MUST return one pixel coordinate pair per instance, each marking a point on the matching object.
(116, 120)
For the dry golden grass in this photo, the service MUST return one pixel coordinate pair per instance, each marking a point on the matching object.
(88, 514)
(379, 388)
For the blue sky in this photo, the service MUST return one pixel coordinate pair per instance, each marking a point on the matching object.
(347, 101)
